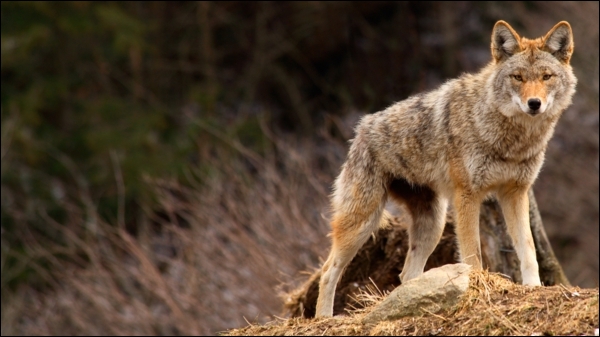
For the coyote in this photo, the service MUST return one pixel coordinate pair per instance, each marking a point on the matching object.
(475, 136)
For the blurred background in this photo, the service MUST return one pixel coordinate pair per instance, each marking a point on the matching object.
(166, 166)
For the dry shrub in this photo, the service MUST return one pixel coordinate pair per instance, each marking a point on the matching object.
(210, 260)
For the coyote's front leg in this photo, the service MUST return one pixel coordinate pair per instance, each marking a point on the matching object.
(515, 206)
(466, 205)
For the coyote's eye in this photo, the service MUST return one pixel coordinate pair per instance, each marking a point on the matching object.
(547, 77)
(518, 78)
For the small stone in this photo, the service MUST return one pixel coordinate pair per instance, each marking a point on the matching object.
(436, 289)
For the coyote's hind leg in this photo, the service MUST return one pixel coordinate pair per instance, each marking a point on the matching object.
(358, 203)
(428, 211)
(346, 243)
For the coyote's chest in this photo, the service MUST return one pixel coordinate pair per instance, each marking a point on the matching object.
(488, 168)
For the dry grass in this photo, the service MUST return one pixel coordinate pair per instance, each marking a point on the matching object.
(212, 259)
(492, 306)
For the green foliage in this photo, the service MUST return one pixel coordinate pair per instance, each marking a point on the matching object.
(72, 94)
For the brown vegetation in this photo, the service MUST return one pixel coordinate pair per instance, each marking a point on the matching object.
(215, 254)
(493, 306)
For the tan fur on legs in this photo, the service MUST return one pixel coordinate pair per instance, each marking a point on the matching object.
(466, 205)
(358, 200)
(515, 207)
(348, 237)
(424, 235)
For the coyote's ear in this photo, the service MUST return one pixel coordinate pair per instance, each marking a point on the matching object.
(505, 41)
(559, 41)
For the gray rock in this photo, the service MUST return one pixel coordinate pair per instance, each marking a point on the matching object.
(436, 289)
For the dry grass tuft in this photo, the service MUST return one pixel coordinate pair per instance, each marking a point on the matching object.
(492, 306)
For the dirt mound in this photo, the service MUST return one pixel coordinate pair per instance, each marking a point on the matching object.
(492, 306)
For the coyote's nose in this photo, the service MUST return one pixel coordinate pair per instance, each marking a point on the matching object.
(534, 103)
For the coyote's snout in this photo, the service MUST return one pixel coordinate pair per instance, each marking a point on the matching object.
(478, 135)
(531, 93)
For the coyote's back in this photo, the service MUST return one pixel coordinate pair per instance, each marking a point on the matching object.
(477, 135)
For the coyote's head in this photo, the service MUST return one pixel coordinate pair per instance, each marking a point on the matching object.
(533, 76)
